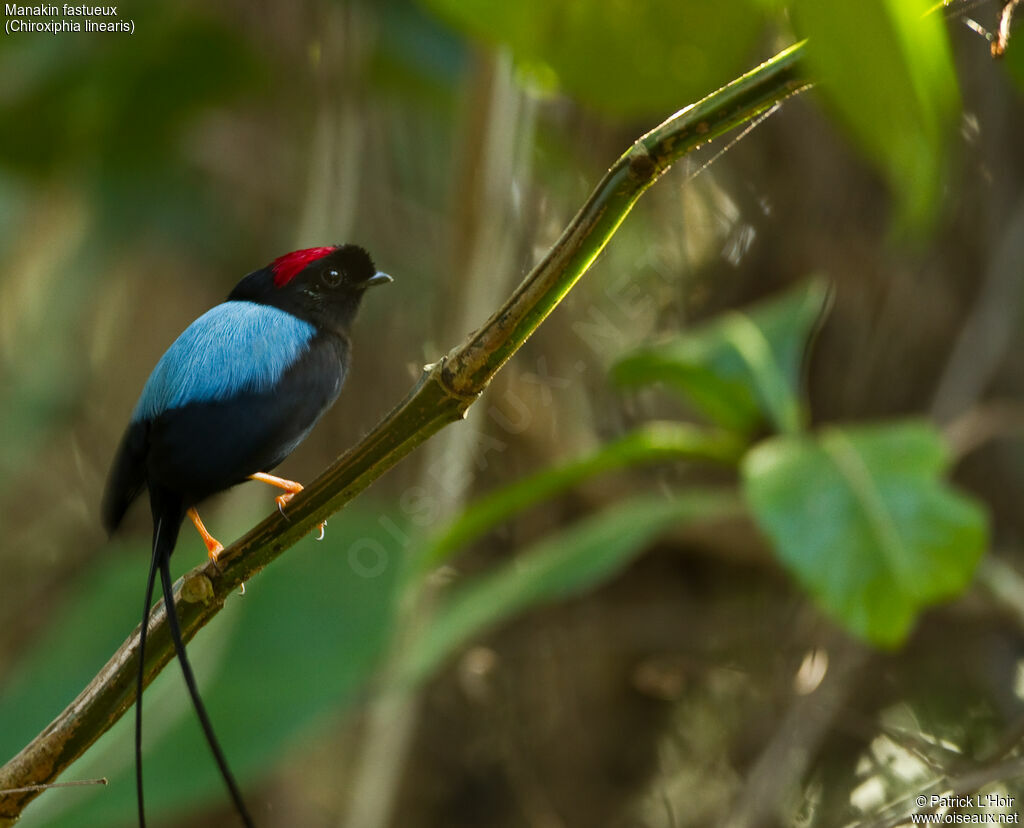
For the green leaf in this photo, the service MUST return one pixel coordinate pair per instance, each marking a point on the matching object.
(885, 69)
(864, 521)
(740, 367)
(560, 566)
(624, 59)
(650, 443)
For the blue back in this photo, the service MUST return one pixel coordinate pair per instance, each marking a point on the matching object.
(233, 348)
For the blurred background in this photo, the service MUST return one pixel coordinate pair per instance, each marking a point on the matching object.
(142, 175)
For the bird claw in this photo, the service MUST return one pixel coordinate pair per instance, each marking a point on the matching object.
(281, 501)
(213, 546)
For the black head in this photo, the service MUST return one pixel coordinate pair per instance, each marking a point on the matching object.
(322, 285)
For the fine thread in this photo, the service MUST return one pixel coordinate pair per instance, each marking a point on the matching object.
(743, 134)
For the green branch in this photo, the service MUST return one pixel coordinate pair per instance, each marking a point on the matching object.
(443, 395)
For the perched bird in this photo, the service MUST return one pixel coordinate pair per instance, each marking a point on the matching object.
(229, 400)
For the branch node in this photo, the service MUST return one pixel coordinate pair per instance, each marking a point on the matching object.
(642, 167)
(196, 588)
(449, 382)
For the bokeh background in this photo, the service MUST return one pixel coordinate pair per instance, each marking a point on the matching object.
(142, 175)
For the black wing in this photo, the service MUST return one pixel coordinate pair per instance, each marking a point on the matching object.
(127, 477)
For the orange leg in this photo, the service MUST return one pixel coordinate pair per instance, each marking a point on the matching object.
(291, 489)
(213, 546)
(290, 486)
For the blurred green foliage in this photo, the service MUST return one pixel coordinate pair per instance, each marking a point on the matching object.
(737, 369)
(275, 667)
(116, 111)
(651, 443)
(676, 51)
(859, 515)
(886, 70)
(556, 568)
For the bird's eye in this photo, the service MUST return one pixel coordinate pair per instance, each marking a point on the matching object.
(332, 278)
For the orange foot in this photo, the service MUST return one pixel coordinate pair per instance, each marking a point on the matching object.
(291, 489)
(213, 546)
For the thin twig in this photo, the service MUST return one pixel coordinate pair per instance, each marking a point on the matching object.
(987, 421)
(988, 328)
(799, 736)
(1005, 22)
(78, 783)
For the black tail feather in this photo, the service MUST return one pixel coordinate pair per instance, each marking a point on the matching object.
(165, 535)
(197, 702)
(142, 672)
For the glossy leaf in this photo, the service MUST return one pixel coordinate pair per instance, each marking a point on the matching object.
(885, 68)
(560, 566)
(863, 519)
(739, 368)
